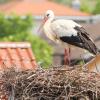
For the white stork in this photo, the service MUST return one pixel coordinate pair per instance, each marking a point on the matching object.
(67, 32)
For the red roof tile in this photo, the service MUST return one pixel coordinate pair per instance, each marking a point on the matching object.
(24, 7)
(18, 55)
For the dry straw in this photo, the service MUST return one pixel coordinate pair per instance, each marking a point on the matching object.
(58, 83)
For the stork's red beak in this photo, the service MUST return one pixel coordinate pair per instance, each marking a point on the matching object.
(43, 22)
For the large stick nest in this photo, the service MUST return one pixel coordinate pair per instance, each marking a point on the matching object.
(52, 84)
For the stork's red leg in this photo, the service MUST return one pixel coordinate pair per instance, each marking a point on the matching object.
(67, 56)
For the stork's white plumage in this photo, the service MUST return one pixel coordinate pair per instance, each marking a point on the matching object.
(67, 32)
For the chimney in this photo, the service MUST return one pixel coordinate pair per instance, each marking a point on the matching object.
(76, 4)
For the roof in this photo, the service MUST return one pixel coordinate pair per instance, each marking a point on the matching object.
(16, 54)
(23, 7)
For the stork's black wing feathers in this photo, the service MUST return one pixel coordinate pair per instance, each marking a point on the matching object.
(82, 40)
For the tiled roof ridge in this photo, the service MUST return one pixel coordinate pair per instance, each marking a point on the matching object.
(15, 45)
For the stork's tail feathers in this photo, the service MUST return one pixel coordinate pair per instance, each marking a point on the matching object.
(88, 43)
(94, 51)
(92, 48)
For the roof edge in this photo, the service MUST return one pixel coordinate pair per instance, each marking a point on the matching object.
(15, 45)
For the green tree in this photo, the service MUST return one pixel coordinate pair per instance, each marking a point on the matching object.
(88, 5)
(18, 29)
(97, 8)
(65, 2)
(4, 1)
(85, 6)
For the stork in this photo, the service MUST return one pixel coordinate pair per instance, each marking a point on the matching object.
(67, 32)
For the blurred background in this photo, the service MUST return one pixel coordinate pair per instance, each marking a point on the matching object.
(20, 20)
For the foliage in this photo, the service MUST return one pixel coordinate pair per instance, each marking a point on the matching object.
(4, 1)
(85, 6)
(97, 8)
(18, 29)
(65, 2)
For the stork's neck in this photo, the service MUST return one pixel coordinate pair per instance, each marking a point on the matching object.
(50, 20)
(47, 29)
(48, 23)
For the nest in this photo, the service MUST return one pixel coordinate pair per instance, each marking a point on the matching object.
(53, 84)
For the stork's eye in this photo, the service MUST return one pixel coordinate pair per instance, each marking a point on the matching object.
(48, 15)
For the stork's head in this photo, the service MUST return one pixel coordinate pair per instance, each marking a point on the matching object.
(49, 15)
